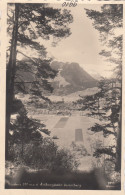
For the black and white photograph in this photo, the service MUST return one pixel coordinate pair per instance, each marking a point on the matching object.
(64, 96)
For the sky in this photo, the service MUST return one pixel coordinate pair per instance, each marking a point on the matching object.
(83, 45)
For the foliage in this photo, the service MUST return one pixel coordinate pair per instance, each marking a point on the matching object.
(44, 154)
(105, 106)
(35, 22)
(28, 66)
(64, 162)
(97, 128)
(108, 151)
(79, 149)
(16, 105)
(40, 154)
(109, 21)
(25, 130)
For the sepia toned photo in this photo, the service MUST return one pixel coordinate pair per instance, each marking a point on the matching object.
(63, 96)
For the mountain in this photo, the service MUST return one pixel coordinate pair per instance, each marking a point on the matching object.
(71, 78)
(95, 75)
(73, 96)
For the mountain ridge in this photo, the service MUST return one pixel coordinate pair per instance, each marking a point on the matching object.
(76, 78)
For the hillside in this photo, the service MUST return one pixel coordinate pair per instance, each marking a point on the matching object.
(71, 78)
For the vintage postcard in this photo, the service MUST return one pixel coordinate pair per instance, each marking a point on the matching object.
(62, 96)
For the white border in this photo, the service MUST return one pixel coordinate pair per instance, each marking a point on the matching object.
(3, 8)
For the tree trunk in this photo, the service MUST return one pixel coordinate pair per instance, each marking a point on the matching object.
(10, 76)
(119, 135)
(98, 105)
(22, 149)
(118, 144)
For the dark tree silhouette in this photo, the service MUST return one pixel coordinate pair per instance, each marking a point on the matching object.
(27, 23)
(107, 21)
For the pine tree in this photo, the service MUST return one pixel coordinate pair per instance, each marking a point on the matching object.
(107, 22)
(26, 130)
(104, 105)
(27, 23)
